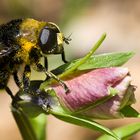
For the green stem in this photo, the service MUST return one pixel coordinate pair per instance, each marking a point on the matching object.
(30, 128)
(24, 125)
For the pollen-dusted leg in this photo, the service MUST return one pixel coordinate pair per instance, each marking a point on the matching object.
(26, 78)
(51, 75)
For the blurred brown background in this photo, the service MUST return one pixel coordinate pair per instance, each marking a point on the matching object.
(86, 20)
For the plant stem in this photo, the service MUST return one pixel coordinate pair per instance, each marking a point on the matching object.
(30, 129)
(24, 125)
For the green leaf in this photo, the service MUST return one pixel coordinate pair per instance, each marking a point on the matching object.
(123, 132)
(128, 111)
(30, 128)
(97, 61)
(106, 60)
(81, 121)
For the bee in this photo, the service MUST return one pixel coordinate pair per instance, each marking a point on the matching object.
(25, 41)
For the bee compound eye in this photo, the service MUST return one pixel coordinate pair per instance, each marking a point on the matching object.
(44, 36)
(48, 40)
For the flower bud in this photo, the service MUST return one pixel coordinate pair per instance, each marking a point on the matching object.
(89, 89)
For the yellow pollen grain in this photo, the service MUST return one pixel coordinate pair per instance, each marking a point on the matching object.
(28, 74)
(26, 45)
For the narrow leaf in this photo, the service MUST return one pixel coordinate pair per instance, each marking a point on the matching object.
(128, 111)
(106, 60)
(123, 132)
(82, 121)
(98, 61)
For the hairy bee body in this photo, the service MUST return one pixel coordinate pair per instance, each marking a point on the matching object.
(8, 49)
(26, 41)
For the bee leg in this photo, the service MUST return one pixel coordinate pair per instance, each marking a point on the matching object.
(46, 63)
(10, 93)
(26, 78)
(4, 76)
(17, 81)
(46, 67)
(63, 57)
(51, 75)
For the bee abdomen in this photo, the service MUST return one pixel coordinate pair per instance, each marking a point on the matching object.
(10, 31)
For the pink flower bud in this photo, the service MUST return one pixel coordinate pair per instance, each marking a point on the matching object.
(88, 87)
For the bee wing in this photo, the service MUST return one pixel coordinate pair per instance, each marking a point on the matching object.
(4, 50)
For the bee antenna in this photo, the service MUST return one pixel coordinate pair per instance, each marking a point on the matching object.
(67, 39)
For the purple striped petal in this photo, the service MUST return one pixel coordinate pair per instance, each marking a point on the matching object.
(89, 86)
(111, 108)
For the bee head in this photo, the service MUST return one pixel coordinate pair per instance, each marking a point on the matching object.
(51, 39)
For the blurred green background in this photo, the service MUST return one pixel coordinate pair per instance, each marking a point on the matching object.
(86, 20)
